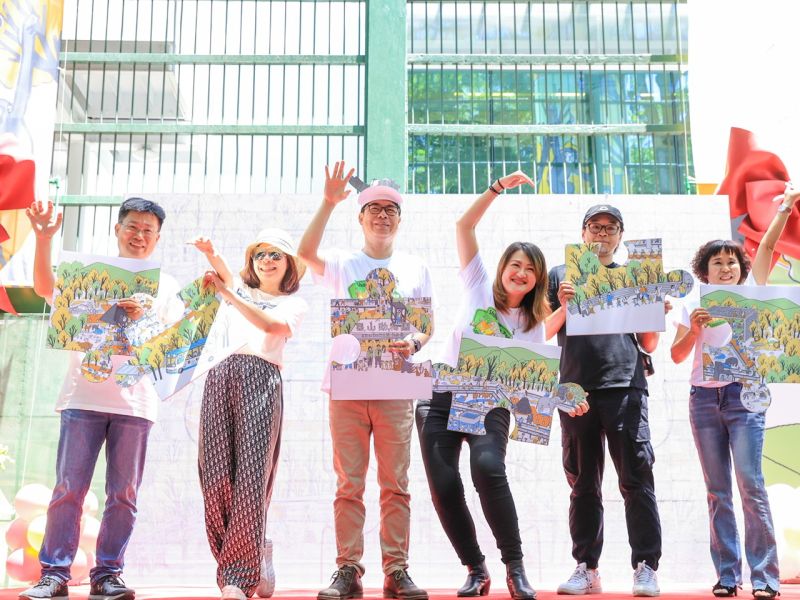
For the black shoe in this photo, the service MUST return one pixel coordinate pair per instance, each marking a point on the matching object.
(518, 585)
(345, 583)
(48, 588)
(477, 583)
(110, 587)
(399, 585)
(765, 592)
(724, 591)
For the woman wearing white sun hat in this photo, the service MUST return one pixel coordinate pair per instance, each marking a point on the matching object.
(240, 421)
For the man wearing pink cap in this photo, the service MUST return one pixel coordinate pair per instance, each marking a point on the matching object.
(354, 421)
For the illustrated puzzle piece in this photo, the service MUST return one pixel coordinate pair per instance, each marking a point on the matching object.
(362, 367)
(764, 345)
(496, 372)
(625, 299)
(170, 353)
(86, 317)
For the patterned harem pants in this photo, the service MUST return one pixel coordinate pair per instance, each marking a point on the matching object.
(240, 431)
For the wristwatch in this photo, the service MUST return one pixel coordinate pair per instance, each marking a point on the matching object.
(417, 344)
(784, 209)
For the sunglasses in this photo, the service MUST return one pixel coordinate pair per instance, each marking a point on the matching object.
(273, 255)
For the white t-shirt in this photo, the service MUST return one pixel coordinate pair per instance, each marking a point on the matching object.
(346, 270)
(474, 314)
(289, 308)
(139, 400)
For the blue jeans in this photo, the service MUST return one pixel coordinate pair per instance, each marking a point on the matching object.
(82, 435)
(722, 428)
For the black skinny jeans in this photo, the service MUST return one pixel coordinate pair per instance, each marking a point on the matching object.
(440, 453)
(619, 416)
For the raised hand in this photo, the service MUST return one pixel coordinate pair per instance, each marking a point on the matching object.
(516, 179)
(790, 194)
(336, 182)
(45, 224)
(204, 244)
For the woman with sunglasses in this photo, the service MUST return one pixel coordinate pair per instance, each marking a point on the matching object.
(518, 297)
(240, 419)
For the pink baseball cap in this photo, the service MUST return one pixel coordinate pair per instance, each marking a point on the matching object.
(380, 189)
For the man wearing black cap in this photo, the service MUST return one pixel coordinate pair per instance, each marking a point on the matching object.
(610, 369)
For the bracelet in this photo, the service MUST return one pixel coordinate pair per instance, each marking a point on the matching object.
(491, 187)
(784, 209)
(417, 344)
(500, 183)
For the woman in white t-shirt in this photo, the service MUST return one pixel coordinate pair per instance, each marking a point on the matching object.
(240, 420)
(724, 428)
(514, 305)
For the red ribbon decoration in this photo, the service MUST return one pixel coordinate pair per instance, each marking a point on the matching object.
(753, 179)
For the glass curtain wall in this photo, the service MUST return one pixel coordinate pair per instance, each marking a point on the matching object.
(587, 96)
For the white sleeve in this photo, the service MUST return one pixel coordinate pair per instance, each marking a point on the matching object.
(684, 317)
(474, 275)
(291, 310)
(332, 273)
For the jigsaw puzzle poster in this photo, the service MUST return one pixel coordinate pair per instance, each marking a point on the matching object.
(362, 366)
(764, 335)
(173, 355)
(495, 372)
(625, 299)
(84, 316)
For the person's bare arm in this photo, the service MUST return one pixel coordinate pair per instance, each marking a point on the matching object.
(466, 240)
(334, 193)
(686, 337)
(45, 225)
(217, 261)
(262, 319)
(763, 259)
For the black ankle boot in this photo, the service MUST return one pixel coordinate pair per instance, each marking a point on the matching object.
(518, 585)
(477, 583)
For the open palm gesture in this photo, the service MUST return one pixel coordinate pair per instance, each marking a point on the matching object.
(45, 224)
(336, 182)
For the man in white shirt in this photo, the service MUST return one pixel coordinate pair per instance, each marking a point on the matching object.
(352, 422)
(93, 413)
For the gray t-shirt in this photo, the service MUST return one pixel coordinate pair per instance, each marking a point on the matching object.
(596, 361)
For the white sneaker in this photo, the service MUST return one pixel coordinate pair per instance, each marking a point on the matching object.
(582, 581)
(645, 582)
(266, 585)
(231, 592)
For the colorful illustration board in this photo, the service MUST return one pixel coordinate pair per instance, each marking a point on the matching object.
(85, 316)
(362, 367)
(174, 355)
(625, 299)
(496, 372)
(759, 343)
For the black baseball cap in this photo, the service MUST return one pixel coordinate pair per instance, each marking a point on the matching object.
(599, 209)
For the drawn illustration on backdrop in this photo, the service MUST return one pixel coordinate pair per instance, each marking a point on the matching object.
(362, 367)
(625, 299)
(497, 372)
